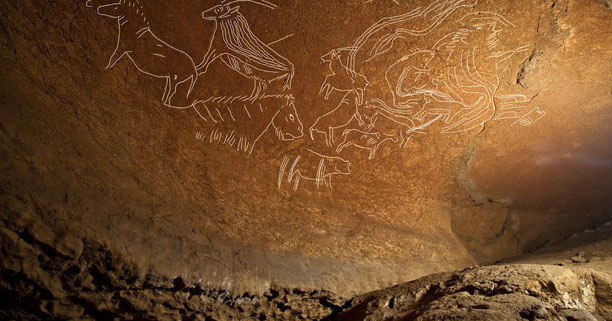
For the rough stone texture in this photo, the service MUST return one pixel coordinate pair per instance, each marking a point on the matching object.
(94, 153)
(509, 292)
(41, 282)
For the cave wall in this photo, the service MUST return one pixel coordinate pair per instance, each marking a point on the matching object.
(337, 145)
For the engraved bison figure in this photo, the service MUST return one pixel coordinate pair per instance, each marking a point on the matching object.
(240, 122)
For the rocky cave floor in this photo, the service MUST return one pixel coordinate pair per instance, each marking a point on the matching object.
(48, 276)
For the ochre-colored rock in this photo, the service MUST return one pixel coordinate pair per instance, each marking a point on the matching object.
(336, 145)
(510, 292)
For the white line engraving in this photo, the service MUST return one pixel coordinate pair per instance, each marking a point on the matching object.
(239, 49)
(240, 122)
(313, 167)
(151, 55)
(448, 78)
(531, 117)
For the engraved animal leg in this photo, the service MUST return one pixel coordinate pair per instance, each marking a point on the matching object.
(433, 111)
(289, 80)
(375, 148)
(194, 79)
(296, 183)
(259, 89)
(264, 86)
(255, 92)
(372, 152)
(166, 90)
(327, 180)
(328, 91)
(330, 136)
(324, 88)
(172, 89)
(325, 133)
(343, 146)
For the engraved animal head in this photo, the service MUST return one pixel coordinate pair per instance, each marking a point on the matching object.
(338, 165)
(224, 10)
(332, 54)
(112, 10)
(219, 12)
(369, 111)
(286, 123)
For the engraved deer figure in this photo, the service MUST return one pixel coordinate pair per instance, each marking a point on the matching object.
(150, 54)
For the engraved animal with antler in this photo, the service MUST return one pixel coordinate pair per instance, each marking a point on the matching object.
(239, 49)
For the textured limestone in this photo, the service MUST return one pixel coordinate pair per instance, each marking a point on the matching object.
(385, 194)
(509, 292)
(40, 282)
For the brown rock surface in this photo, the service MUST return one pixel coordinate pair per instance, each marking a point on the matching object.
(380, 150)
(589, 249)
(40, 283)
(508, 292)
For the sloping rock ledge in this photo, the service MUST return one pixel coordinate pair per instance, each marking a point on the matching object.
(51, 277)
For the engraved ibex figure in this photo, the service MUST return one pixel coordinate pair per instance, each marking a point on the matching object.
(342, 79)
(150, 54)
(239, 49)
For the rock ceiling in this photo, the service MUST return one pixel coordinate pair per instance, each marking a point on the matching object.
(344, 145)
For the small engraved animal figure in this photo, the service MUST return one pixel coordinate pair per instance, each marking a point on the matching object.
(150, 54)
(341, 116)
(341, 78)
(313, 167)
(364, 140)
(242, 51)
